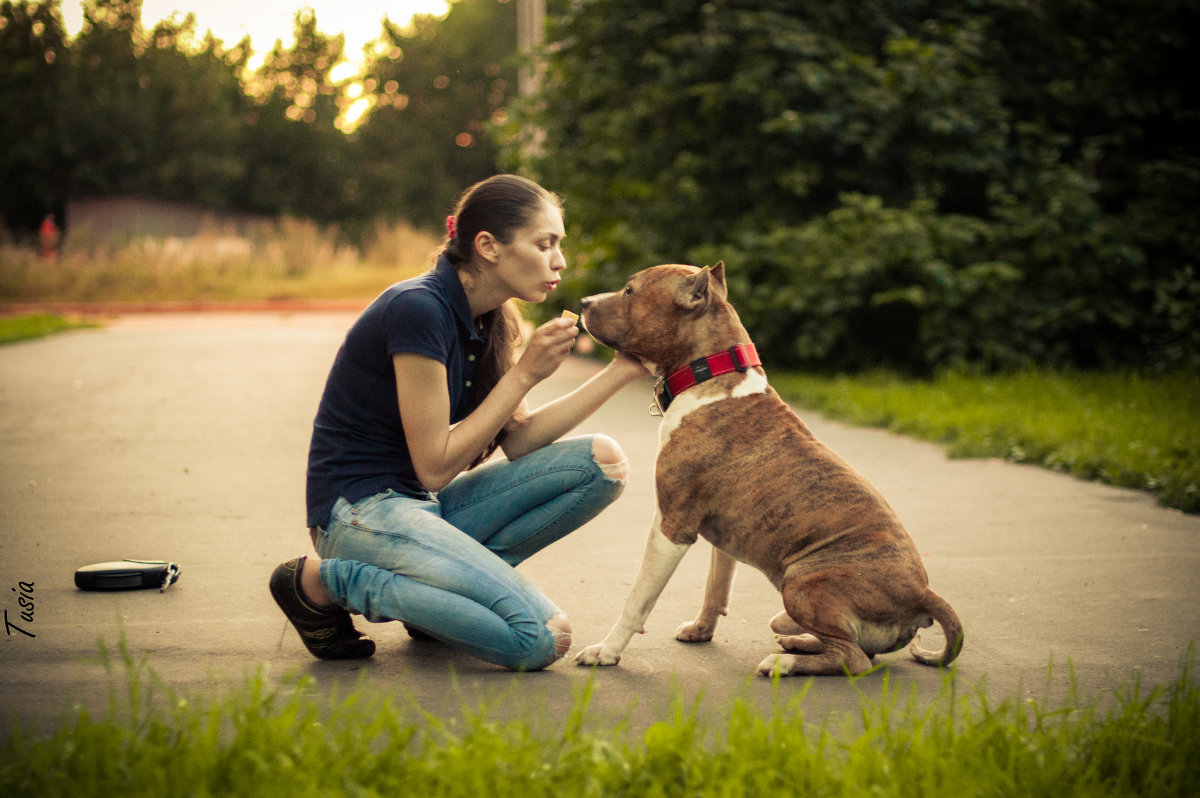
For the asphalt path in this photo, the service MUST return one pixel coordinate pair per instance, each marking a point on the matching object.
(183, 437)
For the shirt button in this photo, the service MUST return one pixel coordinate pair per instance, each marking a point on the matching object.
(471, 358)
(468, 383)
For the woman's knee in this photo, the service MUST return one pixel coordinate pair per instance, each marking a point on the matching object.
(560, 627)
(548, 648)
(610, 457)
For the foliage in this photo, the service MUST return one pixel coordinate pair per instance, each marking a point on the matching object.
(297, 162)
(439, 86)
(163, 112)
(927, 184)
(272, 739)
(920, 183)
(32, 46)
(1123, 428)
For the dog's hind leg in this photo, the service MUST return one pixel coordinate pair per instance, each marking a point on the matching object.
(801, 644)
(784, 624)
(716, 600)
(818, 609)
(837, 657)
(794, 637)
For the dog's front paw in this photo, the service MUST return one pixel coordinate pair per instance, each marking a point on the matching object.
(597, 654)
(695, 632)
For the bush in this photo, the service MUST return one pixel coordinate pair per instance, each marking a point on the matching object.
(918, 184)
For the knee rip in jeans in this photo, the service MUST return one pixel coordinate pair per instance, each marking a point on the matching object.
(560, 627)
(609, 457)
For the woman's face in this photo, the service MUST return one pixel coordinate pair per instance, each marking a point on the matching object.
(531, 264)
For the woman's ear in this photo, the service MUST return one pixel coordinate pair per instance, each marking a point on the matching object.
(487, 246)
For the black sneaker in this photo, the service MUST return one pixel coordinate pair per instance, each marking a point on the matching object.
(327, 632)
(418, 634)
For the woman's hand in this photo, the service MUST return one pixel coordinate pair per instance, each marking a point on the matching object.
(555, 419)
(630, 366)
(547, 349)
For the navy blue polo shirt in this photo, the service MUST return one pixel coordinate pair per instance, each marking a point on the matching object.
(358, 447)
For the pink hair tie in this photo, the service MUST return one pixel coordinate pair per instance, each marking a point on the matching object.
(450, 226)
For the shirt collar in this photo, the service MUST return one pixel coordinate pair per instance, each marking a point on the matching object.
(457, 295)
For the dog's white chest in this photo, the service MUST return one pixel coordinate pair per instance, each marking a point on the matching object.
(752, 382)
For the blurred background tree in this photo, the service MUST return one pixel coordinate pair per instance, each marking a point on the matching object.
(33, 62)
(916, 183)
(196, 143)
(438, 85)
(297, 161)
(163, 113)
(913, 183)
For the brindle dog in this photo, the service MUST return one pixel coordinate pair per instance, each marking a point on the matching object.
(737, 467)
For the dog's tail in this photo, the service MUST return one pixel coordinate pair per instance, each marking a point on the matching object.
(947, 618)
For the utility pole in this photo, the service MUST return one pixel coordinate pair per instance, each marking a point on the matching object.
(531, 20)
(531, 23)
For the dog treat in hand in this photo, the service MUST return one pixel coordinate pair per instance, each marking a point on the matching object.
(574, 317)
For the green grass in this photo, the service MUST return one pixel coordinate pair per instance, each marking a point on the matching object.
(38, 325)
(1124, 429)
(289, 739)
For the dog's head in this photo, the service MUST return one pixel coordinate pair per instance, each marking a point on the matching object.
(666, 316)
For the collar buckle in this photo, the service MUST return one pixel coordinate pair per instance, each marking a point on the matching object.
(741, 363)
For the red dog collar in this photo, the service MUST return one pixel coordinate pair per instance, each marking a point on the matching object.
(736, 358)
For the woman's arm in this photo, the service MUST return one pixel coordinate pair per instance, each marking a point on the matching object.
(551, 421)
(440, 452)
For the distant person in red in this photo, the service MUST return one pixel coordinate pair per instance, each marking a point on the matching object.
(48, 235)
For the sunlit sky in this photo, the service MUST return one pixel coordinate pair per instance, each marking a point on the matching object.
(268, 20)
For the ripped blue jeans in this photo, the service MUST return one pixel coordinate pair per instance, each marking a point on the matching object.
(446, 565)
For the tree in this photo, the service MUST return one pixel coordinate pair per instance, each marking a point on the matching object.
(297, 159)
(164, 113)
(33, 56)
(108, 129)
(439, 85)
(152, 114)
(197, 148)
(914, 182)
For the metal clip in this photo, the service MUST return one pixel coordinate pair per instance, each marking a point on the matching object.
(657, 408)
(170, 576)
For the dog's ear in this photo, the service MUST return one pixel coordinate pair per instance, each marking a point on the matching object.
(694, 294)
(717, 282)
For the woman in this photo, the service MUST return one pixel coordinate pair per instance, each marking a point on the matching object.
(408, 523)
